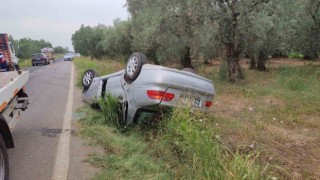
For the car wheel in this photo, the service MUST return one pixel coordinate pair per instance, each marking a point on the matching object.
(134, 66)
(189, 70)
(4, 162)
(17, 67)
(87, 78)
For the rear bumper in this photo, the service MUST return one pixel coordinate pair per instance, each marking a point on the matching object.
(188, 99)
(39, 62)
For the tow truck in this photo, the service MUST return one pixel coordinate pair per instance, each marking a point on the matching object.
(6, 48)
(13, 100)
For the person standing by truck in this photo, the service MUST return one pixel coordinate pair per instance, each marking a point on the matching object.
(3, 63)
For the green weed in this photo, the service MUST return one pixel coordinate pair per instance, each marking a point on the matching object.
(23, 63)
(110, 109)
(295, 55)
(223, 72)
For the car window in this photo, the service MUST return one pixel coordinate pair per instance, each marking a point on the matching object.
(37, 56)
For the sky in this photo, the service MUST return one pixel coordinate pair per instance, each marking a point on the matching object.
(56, 20)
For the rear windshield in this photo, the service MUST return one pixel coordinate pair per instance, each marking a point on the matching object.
(37, 56)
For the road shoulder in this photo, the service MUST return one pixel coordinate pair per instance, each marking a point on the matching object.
(79, 148)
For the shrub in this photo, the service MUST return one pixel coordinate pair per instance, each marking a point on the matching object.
(295, 55)
(108, 114)
(110, 108)
(223, 72)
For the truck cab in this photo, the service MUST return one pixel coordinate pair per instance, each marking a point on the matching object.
(6, 48)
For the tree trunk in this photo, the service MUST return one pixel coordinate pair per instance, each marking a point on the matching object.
(262, 58)
(310, 55)
(235, 72)
(186, 58)
(252, 57)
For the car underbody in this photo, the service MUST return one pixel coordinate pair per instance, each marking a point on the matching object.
(155, 88)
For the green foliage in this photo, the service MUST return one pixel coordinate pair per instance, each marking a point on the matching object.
(110, 109)
(108, 114)
(297, 78)
(125, 157)
(104, 66)
(295, 55)
(195, 142)
(104, 41)
(28, 47)
(223, 72)
(187, 147)
(177, 32)
(173, 150)
(60, 50)
(306, 28)
(23, 63)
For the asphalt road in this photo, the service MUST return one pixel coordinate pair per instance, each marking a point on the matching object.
(35, 68)
(39, 132)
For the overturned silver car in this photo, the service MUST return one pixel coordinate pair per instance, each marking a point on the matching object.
(149, 88)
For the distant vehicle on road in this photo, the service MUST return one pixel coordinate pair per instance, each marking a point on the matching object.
(146, 88)
(49, 52)
(39, 58)
(7, 50)
(77, 55)
(69, 57)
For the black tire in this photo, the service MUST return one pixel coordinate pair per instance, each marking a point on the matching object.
(189, 70)
(17, 67)
(87, 78)
(4, 161)
(134, 66)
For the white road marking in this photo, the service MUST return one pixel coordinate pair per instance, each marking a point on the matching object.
(61, 166)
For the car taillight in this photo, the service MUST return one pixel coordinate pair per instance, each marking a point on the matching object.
(208, 104)
(43, 58)
(160, 95)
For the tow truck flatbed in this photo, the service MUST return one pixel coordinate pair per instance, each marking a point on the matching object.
(12, 96)
(10, 84)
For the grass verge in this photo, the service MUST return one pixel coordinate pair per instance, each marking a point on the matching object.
(265, 127)
(186, 145)
(102, 67)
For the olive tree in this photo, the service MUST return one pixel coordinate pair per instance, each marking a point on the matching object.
(307, 39)
(165, 29)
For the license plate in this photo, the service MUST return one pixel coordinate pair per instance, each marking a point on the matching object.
(196, 102)
(191, 101)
